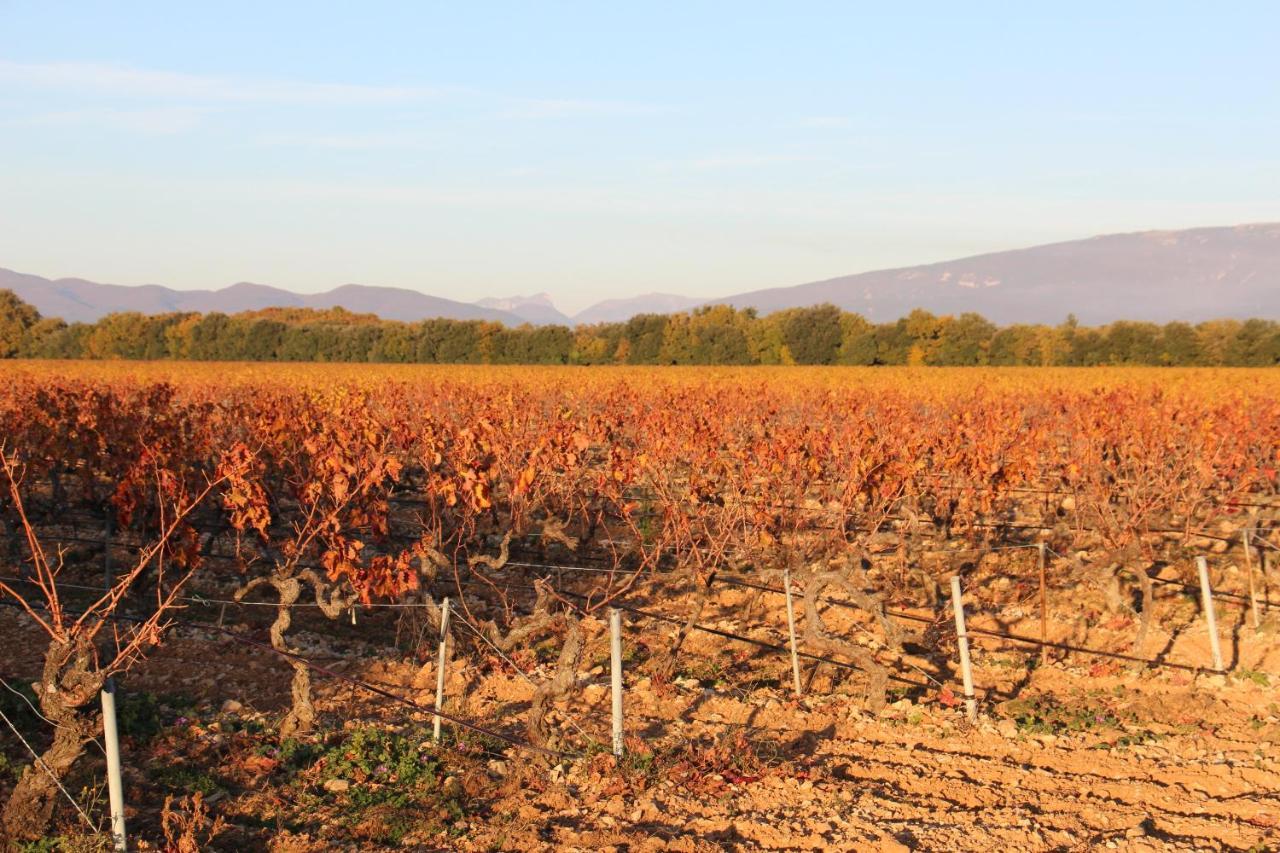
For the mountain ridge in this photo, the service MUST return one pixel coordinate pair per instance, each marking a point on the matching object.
(1191, 274)
(81, 300)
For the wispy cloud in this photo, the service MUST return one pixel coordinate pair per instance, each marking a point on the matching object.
(127, 82)
(159, 120)
(748, 161)
(826, 121)
(372, 141)
(552, 108)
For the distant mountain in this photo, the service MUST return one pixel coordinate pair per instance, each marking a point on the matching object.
(618, 310)
(1197, 274)
(77, 300)
(536, 309)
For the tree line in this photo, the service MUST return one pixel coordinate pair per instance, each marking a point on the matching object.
(821, 334)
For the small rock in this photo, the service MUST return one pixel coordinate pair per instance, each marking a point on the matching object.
(231, 706)
(336, 786)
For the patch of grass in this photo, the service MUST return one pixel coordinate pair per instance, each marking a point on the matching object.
(73, 843)
(474, 744)
(297, 754)
(1259, 678)
(186, 779)
(143, 715)
(396, 782)
(705, 764)
(709, 672)
(1092, 712)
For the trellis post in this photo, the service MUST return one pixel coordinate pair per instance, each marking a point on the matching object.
(1248, 568)
(962, 640)
(440, 667)
(115, 783)
(615, 673)
(791, 632)
(1044, 607)
(1210, 617)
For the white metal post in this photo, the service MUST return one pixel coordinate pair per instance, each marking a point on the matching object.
(791, 630)
(1210, 617)
(615, 672)
(1044, 608)
(962, 640)
(441, 663)
(1248, 567)
(115, 785)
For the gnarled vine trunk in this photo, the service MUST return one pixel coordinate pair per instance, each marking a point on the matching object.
(301, 716)
(852, 580)
(68, 683)
(558, 687)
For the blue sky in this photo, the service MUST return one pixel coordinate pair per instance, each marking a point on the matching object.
(593, 150)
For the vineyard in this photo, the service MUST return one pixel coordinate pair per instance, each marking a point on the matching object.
(256, 560)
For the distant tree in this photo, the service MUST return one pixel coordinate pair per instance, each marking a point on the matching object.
(718, 336)
(395, 344)
(1014, 345)
(460, 343)
(589, 346)
(891, 343)
(813, 335)
(766, 343)
(550, 344)
(46, 339)
(211, 338)
(16, 318)
(678, 342)
(120, 335)
(964, 341)
(1124, 342)
(1256, 344)
(1179, 345)
(261, 339)
(857, 340)
(1217, 338)
(643, 333)
(1085, 347)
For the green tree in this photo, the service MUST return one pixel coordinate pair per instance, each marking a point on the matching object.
(964, 341)
(46, 339)
(1256, 344)
(644, 333)
(1179, 345)
(813, 335)
(16, 318)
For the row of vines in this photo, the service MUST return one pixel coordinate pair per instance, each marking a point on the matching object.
(340, 490)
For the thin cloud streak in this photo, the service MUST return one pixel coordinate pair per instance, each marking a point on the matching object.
(122, 81)
(141, 83)
(161, 121)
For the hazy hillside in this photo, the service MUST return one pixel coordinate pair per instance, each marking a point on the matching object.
(1198, 274)
(537, 309)
(617, 310)
(75, 299)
